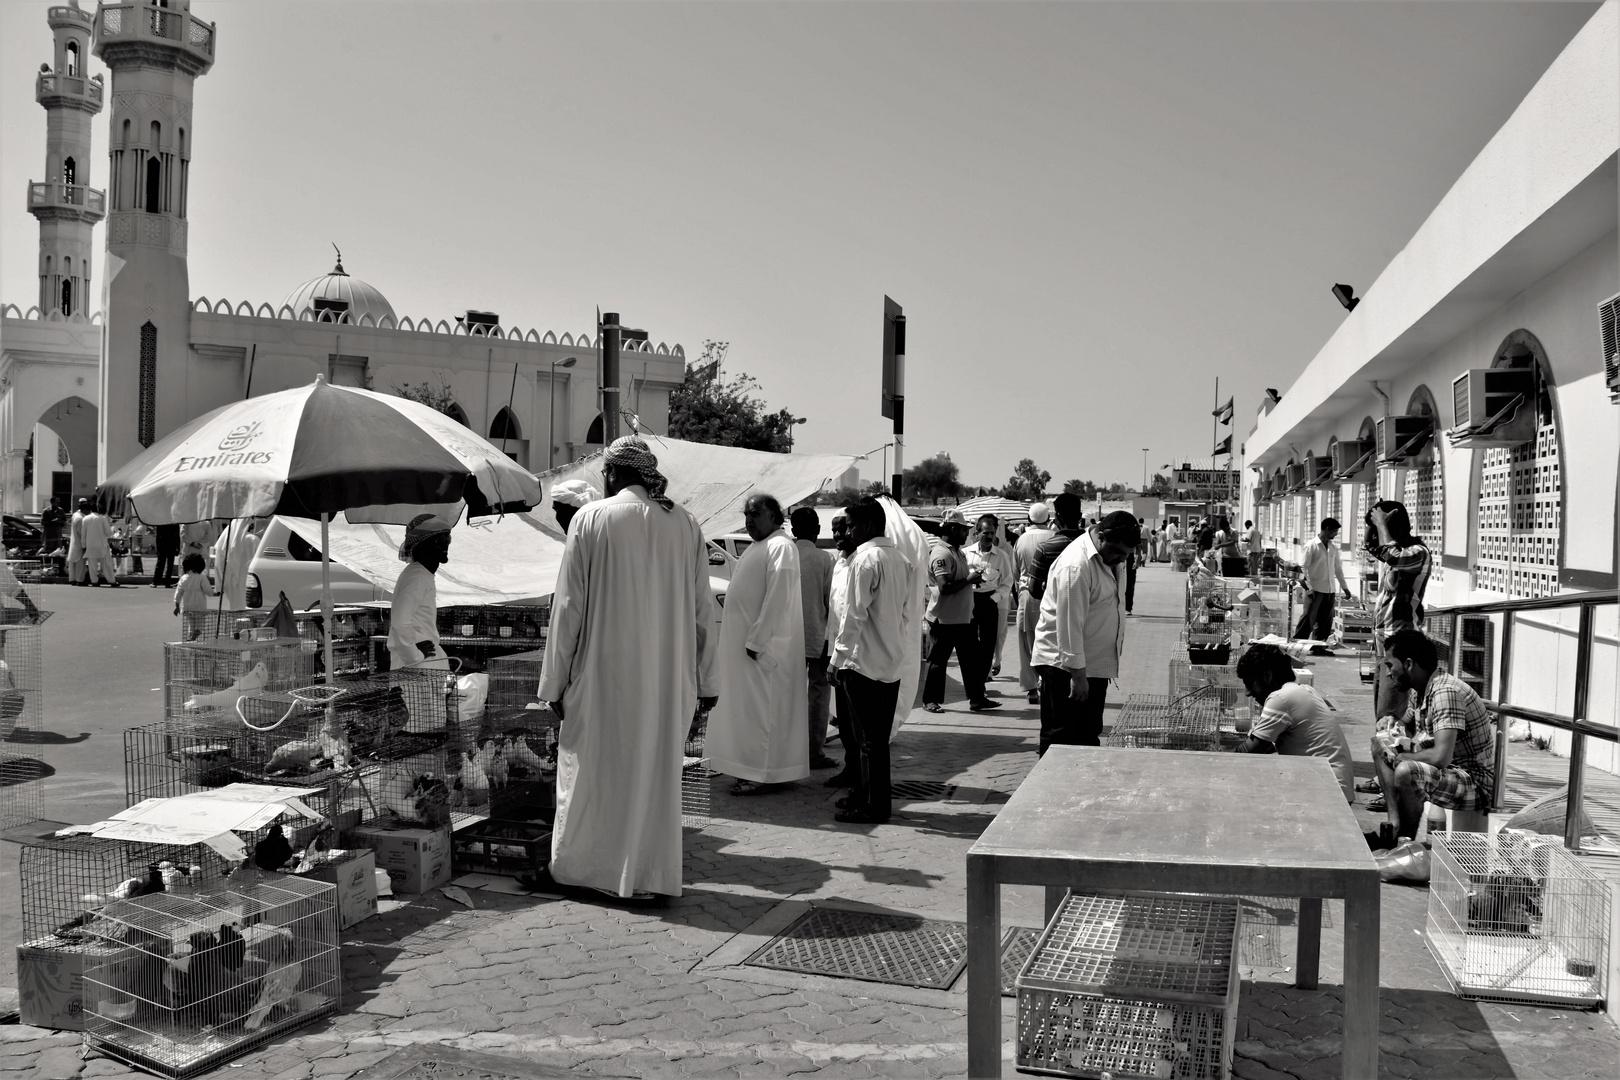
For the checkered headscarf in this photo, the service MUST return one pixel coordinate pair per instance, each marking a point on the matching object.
(630, 452)
(421, 527)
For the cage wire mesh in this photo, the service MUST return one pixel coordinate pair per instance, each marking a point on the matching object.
(203, 680)
(477, 635)
(1132, 985)
(66, 880)
(351, 639)
(1517, 918)
(695, 775)
(1217, 681)
(195, 980)
(1189, 722)
(22, 775)
(519, 740)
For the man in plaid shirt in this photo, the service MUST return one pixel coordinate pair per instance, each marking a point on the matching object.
(1457, 771)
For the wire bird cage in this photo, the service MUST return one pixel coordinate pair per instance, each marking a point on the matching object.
(1189, 722)
(479, 634)
(1517, 920)
(1219, 681)
(351, 641)
(197, 980)
(514, 679)
(1132, 985)
(695, 775)
(22, 776)
(204, 680)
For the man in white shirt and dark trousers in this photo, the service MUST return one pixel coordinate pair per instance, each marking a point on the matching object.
(815, 586)
(1322, 567)
(1081, 632)
(869, 657)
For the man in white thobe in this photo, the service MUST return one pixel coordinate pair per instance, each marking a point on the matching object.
(629, 659)
(759, 733)
(75, 551)
(413, 621)
(98, 559)
(233, 551)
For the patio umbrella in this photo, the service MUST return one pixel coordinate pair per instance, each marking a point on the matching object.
(316, 451)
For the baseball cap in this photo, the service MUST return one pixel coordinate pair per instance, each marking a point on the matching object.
(1039, 513)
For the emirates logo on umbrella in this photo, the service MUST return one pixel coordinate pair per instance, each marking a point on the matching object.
(239, 438)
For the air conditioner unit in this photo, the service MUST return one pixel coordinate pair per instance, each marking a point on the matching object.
(1350, 458)
(1494, 407)
(1609, 320)
(1318, 471)
(1295, 479)
(1262, 491)
(1402, 438)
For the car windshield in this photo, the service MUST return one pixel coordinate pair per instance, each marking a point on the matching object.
(302, 549)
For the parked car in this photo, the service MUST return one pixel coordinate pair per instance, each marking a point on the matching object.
(724, 551)
(287, 563)
(23, 540)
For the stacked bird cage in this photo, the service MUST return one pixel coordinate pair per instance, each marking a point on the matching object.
(21, 706)
(1355, 625)
(351, 640)
(1152, 721)
(525, 734)
(1138, 984)
(199, 979)
(695, 774)
(1516, 917)
(477, 634)
(1219, 681)
(514, 679)
(204, 680)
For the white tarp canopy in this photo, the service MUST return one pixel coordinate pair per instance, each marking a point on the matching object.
(515, 558)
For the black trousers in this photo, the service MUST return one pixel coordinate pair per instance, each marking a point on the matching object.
(964, 638)
(1070, 723)
(1317, 622)
(872, 706)
(985, 616)
(1130, 582)
(162, 569)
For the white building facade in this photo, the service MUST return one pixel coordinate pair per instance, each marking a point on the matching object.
(1478, 383)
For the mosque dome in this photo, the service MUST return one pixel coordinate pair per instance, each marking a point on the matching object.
(361, 298)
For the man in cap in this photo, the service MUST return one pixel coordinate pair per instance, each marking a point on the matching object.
(1029, 605)
(629, 660)
(567, 497)
(1081, 632)
(413, 622)
(950, 618)
(759, 731)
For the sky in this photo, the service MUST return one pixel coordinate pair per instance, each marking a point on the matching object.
(1089, 211)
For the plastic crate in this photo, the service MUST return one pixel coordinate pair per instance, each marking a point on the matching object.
(1517, 920)
(1132, 985)
(204, 978)
(499, 846)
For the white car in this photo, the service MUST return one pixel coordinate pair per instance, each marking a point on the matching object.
(724, 551)
(287, 563)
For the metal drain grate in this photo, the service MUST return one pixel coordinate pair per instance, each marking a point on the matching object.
(921, 790)
(871, 946)
(1018, 943)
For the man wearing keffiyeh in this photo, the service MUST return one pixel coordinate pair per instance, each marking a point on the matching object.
(628, 461)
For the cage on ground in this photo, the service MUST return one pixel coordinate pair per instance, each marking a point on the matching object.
(204, 680)
(1516, 917)
(193, 981)
(1216, 681)
(696, 779)
(1189, 722)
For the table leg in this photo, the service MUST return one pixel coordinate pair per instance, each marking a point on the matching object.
(1054, 899)
(1308, 955)
(1361, 944)
(983, 967)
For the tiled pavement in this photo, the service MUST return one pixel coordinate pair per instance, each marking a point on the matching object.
(601, 990)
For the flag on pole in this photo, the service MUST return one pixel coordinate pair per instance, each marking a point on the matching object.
(1224, 446)
(1224, 413)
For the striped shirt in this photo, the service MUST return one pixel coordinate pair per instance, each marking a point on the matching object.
(1400, 594)
(1450, 703)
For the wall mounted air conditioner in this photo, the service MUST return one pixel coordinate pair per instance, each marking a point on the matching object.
(1400, 439)
(1262, 491)
(1318, 471)
(1494, 407)
(1294, 479)
(1609, 327)
(1351, 457)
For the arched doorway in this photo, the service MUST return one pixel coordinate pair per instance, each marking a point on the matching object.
(67, 470)
(504, 432)
(1518, 506)
(1424, 490)
(593, 434)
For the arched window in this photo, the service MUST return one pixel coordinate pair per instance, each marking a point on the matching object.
(457, 413)
(157, 135)
(593, 434)
(73, 58)
(1518, 507)
(1425, 490)
(70, 172)
(67, 296)
(146, 415)
(505, 426)
(154, 185)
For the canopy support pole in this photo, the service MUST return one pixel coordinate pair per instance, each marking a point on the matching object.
(326, 595)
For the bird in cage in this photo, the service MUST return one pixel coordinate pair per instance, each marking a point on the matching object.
(520, 754)
(256, 679)
(280, 985)
(474, 780)
(135, 886)
(314, 852)
(431, 801)
(499, 768)
(273, 851)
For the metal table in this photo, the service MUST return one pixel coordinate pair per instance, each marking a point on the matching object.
(1237, 824)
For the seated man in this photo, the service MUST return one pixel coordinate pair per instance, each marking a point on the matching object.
(1293, 718)
(1457, 770)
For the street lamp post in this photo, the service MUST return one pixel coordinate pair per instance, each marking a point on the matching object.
(551, 415)
(1144, 470)
(792, 423)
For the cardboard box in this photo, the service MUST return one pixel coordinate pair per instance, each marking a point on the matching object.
(416, 859)
(50, 981)
(355, 875)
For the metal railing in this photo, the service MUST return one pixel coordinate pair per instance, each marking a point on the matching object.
(1580, 726)
(130, 20)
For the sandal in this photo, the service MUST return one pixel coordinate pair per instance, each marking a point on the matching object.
(1369, 787)
(1377, 806)
(750, 787)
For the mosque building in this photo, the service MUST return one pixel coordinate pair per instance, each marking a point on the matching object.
(1478, 382)
(98, 367)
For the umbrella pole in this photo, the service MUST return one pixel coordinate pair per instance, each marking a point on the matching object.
(326, 596)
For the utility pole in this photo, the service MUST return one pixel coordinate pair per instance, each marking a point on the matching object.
(608, 333)
(894, 384)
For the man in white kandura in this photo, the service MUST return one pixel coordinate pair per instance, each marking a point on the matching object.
(760, 731)
(629, 659)
(413, 621)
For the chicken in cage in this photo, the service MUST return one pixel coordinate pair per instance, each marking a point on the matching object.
(195, 980)
(1516, 917)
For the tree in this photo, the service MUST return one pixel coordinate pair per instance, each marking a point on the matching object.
(1083, 488)
(439, 398)
(1028, 481)
(710, 408)
(932, 478)
(845, 495)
